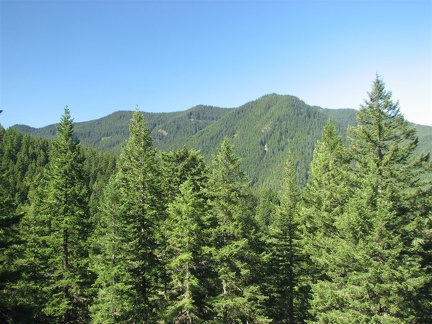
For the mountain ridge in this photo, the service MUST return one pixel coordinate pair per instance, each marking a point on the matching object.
(261, 131)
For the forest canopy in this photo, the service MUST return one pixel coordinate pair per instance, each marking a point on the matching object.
(156, 236)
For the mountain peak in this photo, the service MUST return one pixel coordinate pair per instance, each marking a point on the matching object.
(261, 131)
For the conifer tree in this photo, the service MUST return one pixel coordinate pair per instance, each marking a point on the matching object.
(375, 271)
(268, 201)
(179, 166)
(233, 247)
(114, 294)
(185, 236)
(21, 158)
(56, 228)
(128, 222)
(283, 260)
(325, 195)
(8, 235)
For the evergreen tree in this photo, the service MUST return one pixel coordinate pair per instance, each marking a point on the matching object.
(234, 243)
(268, 201)
(324, 197)
(185, 225)
(323, 201)
(110, 248)
(375, 271)
(126, 238)
(179, 166)
(99, 167)
(8, 236)
(283, 260)
(21, 158)
(56, 228)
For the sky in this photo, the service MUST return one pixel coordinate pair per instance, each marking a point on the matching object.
(98, 57)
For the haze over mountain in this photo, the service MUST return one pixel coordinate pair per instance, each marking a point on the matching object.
(261, 130)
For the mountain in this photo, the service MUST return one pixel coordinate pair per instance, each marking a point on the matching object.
(261, 130)
(108, 133)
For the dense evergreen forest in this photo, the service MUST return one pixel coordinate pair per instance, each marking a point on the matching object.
(168, 237)
(262, 132)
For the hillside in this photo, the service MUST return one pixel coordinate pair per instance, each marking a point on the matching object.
(169, 130)
(261, 131)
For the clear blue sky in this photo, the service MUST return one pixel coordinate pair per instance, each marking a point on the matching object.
(101, 56)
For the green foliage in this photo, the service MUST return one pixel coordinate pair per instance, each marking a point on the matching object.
(169, 130)
(179, 166)
(284, 264)
(98, 168)
(185, 228)
(55, 229)
(174, 241)
(126, 239)
(110, 246)
(328, 187)
(238, 297)
(267, 203)
(371, 268)
(8, 235)
(262, 132)
(323, 201)
(21, 159)
(23, 165)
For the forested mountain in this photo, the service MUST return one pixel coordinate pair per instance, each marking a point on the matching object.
(169, 130)
(158, 236)
(261, 131)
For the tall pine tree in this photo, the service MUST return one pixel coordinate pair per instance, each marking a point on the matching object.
(234, 243)
(323, 200)
(9, 220)
(375, 266)
(56, 228)
(179, 166)
(185, 237)
(126, 239)
(283, 260)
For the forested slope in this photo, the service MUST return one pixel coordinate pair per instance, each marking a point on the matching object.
(108, 133)
(168, 237)
(261, 131)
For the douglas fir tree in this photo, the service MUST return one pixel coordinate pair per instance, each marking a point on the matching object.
(56, 228)
(375, 269)
(124, 257)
